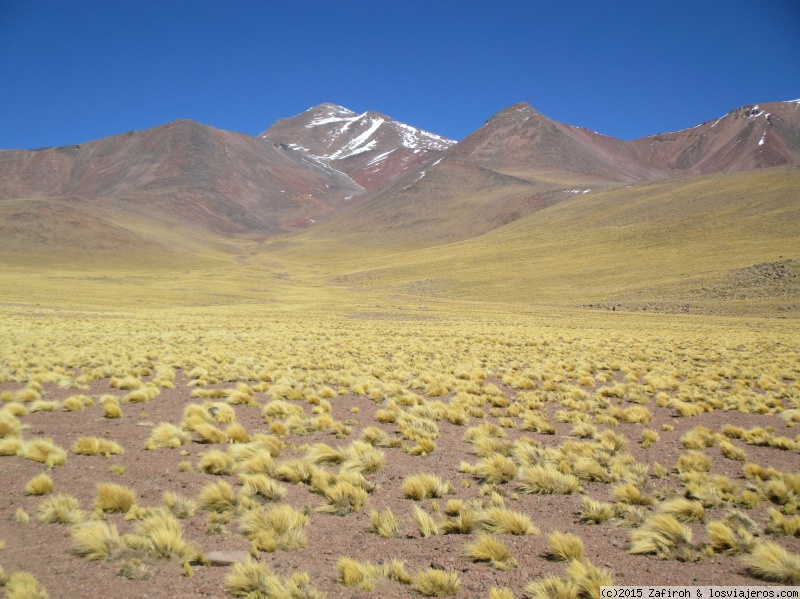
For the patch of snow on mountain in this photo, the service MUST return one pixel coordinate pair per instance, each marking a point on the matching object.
(761, 141)
(353, 146)
(413, 138)
(379, 158)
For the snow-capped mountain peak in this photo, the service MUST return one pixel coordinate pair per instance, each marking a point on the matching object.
(370, 147)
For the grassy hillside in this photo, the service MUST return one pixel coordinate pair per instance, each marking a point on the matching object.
(681, 245)
(659, 243)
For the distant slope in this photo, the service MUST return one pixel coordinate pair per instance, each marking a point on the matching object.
(372, 148)
(520, 161)
(185, 173)
(749, 137)
(656, 246)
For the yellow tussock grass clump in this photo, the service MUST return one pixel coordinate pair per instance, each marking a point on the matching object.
(97, 541)
(662, 535)
(237, 433)
(9, 425)
(684, 510)
(546, 480)
(437, 583)
(780, 524)
(383, 524)
(134, 569)
(500, 520)
(564, 547)
(496, 469)
(551, 587)
(216, 462)
(96, 446)
(45, 452)
(111, 407)
(112, 497)
(161, 535)
(422, 486)
(771, 562)
(630, 493)
(255, 579)
(12, 446)
(649, 437)
(343, 497)
(23, 585)
(588, 578)
(166, 434)
(487, 548)
(278, 528)
(217, 497)
(353, 573)
(364, 458)
(500, 593)
(595, 512)
(321, 453)
(41, 484)
(20, 517)
(426, 525)
(60, 509)
(76, 403)
(261, 486)
(728, 537)
(181, 507)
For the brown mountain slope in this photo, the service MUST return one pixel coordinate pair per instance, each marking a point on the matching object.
(521, 140)
(520, 161)
(372, 148)
(746, 138)
(186, 173)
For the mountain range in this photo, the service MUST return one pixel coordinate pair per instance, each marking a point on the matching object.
(364, 175)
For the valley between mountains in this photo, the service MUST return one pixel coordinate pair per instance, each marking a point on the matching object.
(347, 357)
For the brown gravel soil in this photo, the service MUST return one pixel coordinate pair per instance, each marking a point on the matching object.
(46, 550)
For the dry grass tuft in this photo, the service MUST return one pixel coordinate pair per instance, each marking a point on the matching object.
(97, 541)
(166, 434)
(41, 484)
(437, 583)
(280, 527)
(255, 580)
(217, 497)
(662, 535)
(343, 498)
(112, 497)
(684, 510)
(60, 509)
(181, 507)
(546, 479)
(595, 512)
(426, 525)
(96, 446)
(565, 547)
(422, 486)
(496, 469)
(45, 452)
(487, 548)
(771, 562)
(383, 524)
(23, 585)
(216, 462)
(500, 520)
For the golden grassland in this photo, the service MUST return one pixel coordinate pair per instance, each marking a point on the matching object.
(506, 379)
(307, 367)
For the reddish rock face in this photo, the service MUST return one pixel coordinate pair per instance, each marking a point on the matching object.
(372, 148)
(222, 181)
(750, 137)
(318, 162)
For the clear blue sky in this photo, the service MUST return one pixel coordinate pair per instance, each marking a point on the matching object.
(73, 71)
